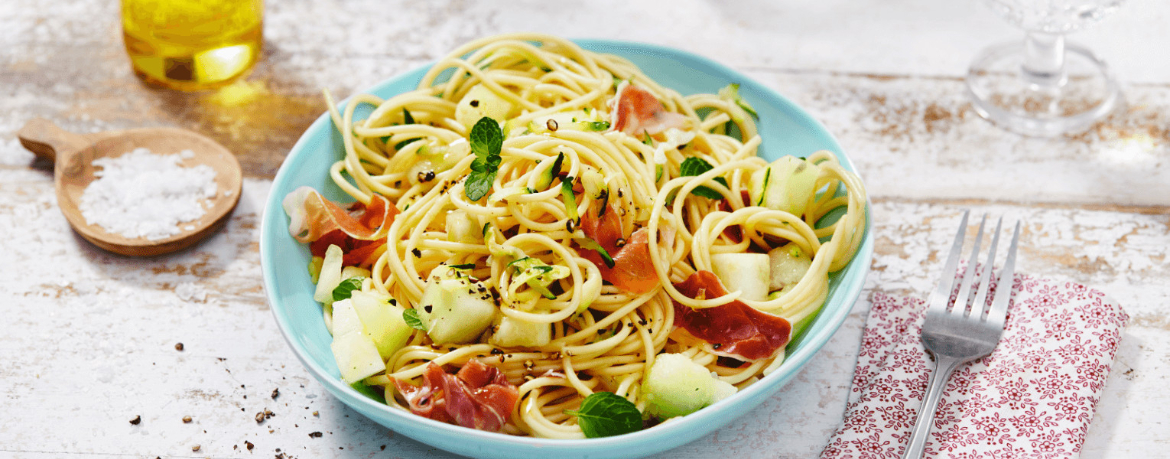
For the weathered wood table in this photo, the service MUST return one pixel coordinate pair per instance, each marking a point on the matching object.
(90, 338)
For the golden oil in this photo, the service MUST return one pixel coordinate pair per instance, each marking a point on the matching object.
(192, 44)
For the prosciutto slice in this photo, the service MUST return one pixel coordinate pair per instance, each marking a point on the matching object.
(312, 216)
(735, 328)
(635, 111)
(321, 223)
(632, 269)
(478, 396)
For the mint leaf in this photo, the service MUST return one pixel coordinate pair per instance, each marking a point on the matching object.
(345, 289)
(376, 394)
(410, 316)
(478, 184)
(707, 192)
(486, 137)
(398, 146)
(605, 414)
(487, 140)
(694, 166)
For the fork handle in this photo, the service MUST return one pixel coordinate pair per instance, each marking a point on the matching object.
(943, 368)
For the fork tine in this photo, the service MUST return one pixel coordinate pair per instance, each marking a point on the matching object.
(942, 293)
(1006, 278)
(961, 300)
(985, 277)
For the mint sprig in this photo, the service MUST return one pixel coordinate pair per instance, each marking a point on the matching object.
(487, 140)
(605, 414)
(345, 289)
(410, 316)
(694, 166)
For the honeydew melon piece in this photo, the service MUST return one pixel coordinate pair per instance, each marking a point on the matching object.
(461, 228)
(787, 184)
(788, 264)
(480, 102)
(355, 353)
(748, 273)
(330, 275)
(511, 332)
(455, 309)
(677, 386)
(354, 271)
(382, 321)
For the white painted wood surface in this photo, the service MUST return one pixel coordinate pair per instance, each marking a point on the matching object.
(90, 337)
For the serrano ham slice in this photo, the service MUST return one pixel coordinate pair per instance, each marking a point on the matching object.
(478, 396)
(312, 216)
(734, 329)
(321, 223)
(632, 270)
(635, 111)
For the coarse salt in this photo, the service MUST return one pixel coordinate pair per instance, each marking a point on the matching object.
(144, 195)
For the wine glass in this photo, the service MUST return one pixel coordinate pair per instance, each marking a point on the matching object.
(1044, 86)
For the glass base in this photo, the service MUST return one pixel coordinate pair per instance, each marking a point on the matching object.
(188, 67)
(1001, 92)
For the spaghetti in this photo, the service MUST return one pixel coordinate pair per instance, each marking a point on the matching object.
(659, 183)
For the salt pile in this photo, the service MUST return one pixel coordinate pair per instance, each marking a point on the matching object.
(144, 195)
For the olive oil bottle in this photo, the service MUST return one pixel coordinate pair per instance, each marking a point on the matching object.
(192, 44)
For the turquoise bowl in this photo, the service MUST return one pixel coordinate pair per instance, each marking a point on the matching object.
(785, 128)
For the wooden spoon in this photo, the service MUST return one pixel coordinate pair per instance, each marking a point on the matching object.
(73, 155)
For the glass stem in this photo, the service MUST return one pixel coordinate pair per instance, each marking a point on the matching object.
(1044, 59)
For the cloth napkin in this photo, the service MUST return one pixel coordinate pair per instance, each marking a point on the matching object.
(1033, 397)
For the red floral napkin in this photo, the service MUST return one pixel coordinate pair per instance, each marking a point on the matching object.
(1033, 397)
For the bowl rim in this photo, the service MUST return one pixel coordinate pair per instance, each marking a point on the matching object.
(749, 398)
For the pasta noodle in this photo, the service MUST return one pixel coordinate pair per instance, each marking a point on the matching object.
(412, 151)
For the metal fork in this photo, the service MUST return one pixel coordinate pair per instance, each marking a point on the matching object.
(965, 332)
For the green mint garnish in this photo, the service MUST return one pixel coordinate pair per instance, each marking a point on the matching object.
(694, 166)
(410, 316)
(605, 414)
(376, 394)
(487, 140)
(345, 289)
